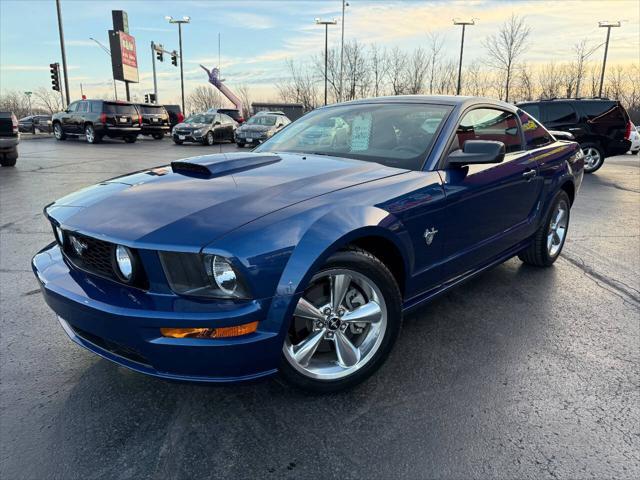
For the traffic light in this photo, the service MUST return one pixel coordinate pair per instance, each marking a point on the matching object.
(174, 58)
(159, 55)
(55, 76)
(152, 98)
(146, 98)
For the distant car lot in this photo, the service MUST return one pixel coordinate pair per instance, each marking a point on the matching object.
(495, 387)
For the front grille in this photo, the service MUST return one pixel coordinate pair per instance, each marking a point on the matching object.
(98, 257)
(113, 347)
(183, 132)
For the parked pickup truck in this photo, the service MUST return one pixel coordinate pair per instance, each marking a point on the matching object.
(9, 139)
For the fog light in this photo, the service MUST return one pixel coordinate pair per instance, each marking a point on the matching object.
(124, 262)
(221, 332)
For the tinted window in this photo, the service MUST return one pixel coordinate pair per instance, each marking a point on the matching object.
(151, 109)
(266, 120)
(533, 110)
(120, 109)
(594, 109)
(72, 107)
(535, 135)
(600, 112)
(96, 107)
(226, 120)
(490, 124)
(201, 118)
(559, 113)
(83, 107)
(389, 134)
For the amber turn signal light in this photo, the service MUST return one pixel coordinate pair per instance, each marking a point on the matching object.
(221, 332)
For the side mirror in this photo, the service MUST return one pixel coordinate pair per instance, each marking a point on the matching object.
(559, 135)
(477, 152)
(216, 124)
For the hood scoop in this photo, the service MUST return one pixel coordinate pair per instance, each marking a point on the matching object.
(209, 166)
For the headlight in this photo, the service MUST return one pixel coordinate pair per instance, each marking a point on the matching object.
(209, 276)
(199, 131)
(59, 235)
(124, 262)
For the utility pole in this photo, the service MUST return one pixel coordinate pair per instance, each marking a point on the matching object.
(326, 24)
(180, 22)
(608, 26)
(344, 5)
(155, 52)
(464, 24)
(64, 56)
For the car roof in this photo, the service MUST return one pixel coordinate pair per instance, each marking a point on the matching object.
(580, 99)
(449, 100)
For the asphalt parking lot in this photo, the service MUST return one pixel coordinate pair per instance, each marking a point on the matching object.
(520, 373)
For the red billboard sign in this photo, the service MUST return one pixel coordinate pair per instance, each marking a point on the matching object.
(124, 60)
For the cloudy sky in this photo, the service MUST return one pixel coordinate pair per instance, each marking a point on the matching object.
(259, 35)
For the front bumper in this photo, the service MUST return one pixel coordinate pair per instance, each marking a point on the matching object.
(188, 137)
(151, 129)
(122, 324)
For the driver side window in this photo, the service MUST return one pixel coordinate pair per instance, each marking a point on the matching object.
(72, 107)
(489, 124)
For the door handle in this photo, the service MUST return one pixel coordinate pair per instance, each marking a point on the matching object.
(529, 174)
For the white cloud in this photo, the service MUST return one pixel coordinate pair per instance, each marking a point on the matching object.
(250, 20)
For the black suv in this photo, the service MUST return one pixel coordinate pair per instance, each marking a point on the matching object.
(96, 119)
(155, 120)
(601, 126)
(9, 139)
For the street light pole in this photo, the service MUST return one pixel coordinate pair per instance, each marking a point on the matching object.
(344, 4)
(108, 52)
(464, 24)
(180, 22)
(326, 24)
(153, 60)
(64, 55)
(608, 26)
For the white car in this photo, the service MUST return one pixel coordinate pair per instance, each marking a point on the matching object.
(634, 138)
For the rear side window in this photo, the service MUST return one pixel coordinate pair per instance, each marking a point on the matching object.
(120, 109)
(535, 135)
(96, 107)
(601, 112)
(559, 113)
(83, 107)
(490, 124)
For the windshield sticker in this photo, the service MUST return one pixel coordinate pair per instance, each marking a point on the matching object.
(360, 133)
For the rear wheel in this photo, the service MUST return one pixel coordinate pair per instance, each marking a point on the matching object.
(9, 159)
(131, 138)
(593, 157)
(344, 325)
(240, 145)
(91, 135)
(551, 235)
(58, 132)
(158, 136)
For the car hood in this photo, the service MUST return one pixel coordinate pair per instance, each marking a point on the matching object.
(254, 128)
(196, 200)
(189, 126)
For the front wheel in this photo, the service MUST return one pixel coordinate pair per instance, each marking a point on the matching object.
(549, 239)
(240, 145)
(58, 132)
(208, 139)
(593, 157)
(158, 136)
(344, 325)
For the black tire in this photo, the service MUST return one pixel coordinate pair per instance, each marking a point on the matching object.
(158, 136)
(91, 135)
(366, 264)
(178, 142)
(208, 140)
(9, 159)
(592, 147)
(537, 254)
(240, 145)
(131, 138)
(58, 132)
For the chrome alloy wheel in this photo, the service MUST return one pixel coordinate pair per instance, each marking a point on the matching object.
(89, 134)
(557, 228)
(57, 131)
(592, 158)
(338, 325)
(209, 138)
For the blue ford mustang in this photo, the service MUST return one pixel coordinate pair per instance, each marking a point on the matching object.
(301, 257)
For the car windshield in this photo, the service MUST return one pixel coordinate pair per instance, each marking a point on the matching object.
(200, 118)
(266, 120)
(393, 134)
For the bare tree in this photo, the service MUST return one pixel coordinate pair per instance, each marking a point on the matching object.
(300, 87)
(476, 80)
(582, 51)
(416, 69)
(245, 96)
(434, 49)
(550, 80)
(396, 71)
(202, 98)
(379, 68)
(525, 83)
(506, 47)
(16, 102)
(48, 100)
